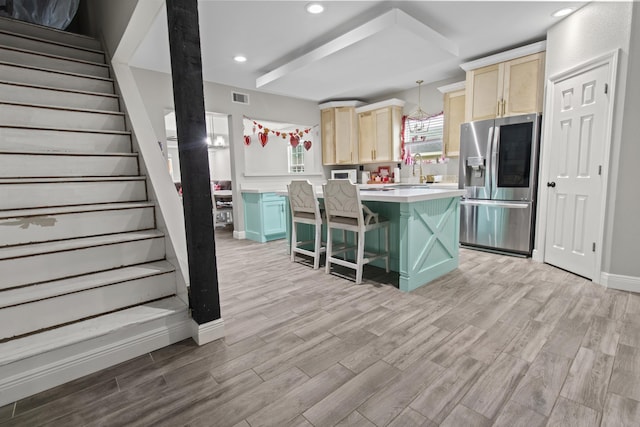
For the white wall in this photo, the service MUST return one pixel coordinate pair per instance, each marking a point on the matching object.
(157, 94)
(625, 234)
(594, 30)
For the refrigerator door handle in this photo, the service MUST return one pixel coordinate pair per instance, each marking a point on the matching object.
(512, 205)
(489, 161)
(495, 148)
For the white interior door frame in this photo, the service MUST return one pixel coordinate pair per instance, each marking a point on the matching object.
(610, 58)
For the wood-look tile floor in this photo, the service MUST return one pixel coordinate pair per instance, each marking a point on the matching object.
(501, 341)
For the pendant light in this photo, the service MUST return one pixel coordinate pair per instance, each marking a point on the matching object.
(416, 120)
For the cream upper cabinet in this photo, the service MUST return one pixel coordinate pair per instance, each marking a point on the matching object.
(454, 111)
(339, 135)
(379, 127)
(507, 88)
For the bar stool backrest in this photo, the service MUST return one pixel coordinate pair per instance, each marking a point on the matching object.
(303, 201)
(342, 201)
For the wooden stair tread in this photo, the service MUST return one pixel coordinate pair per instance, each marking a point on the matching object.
(77, 243)
(53, 56)
(68, 153)
(67, 335)
(20, 213)
(58, 89)
(55, 107)
(70, 179)
(105, 131)
(53, 42)
(50, 70)
(59, 287)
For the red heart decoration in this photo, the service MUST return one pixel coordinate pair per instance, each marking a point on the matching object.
(263, 138)
(294, 140)
(277, 133)
(307, 145)
(247, 140)
(306, 131)
(259, 126)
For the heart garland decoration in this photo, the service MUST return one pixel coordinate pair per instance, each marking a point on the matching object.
(307, 145)
(247, 140)
(264, 138)
(294, 140)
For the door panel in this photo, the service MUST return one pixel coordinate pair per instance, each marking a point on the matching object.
(579, 117)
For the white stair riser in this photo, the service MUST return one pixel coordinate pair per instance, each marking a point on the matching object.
(48, 194)
(54, 49)
(19, 320)
(61, 165)
(47, 33)
(66, 119)
(33, 95)
(18, 74)
(23, 230)
(16, 139)
(52, 63)
(56, 265)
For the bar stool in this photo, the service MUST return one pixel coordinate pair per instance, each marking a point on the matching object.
(305, 209)
(345, 211)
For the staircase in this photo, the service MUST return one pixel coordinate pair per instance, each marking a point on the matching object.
(84, 283)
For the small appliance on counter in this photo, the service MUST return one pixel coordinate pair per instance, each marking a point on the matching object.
(498, 171)
(350, 174)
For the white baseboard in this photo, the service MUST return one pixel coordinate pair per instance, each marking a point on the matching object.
(33, 375)
(240, 235)
(537, 256)
(620, 282)
(207, 332)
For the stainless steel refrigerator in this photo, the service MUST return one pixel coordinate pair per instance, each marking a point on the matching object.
(499, 172)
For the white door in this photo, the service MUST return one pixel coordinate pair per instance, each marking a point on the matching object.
(579, 123)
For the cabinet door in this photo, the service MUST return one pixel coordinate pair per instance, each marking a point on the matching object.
(274, 219)
(345, 135)
(328, 141)
(366, 136)
(384, 140)
(523, 85)
(454, 104)
(484, 88)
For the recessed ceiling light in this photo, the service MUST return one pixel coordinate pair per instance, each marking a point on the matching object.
(240, 58)
(315, 8)
(562, 12)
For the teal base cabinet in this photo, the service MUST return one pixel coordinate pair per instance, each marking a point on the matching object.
(264, 216)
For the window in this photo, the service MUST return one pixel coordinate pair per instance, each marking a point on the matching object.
(296, 159)
(424, 136)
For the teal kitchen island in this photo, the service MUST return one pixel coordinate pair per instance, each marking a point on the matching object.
(424, 230)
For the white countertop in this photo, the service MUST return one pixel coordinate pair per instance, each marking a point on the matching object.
(390, 193)
(407, 195)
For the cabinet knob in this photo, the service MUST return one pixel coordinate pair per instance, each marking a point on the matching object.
(551, 184)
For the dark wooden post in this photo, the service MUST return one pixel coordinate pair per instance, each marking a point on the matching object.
(188, 96)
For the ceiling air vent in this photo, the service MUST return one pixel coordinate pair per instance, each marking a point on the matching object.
(239, 98)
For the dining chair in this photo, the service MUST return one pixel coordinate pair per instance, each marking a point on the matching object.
(344, 211)
(305, 209)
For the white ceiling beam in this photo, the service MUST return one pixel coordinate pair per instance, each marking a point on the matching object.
(390, 19)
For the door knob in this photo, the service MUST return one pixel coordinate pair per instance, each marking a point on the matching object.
(551, 184)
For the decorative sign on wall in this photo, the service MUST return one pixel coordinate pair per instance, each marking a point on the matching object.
(263, 133)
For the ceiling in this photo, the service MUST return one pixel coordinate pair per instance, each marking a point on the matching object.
(354, 49)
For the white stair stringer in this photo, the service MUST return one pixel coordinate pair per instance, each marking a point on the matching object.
(84, 280)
